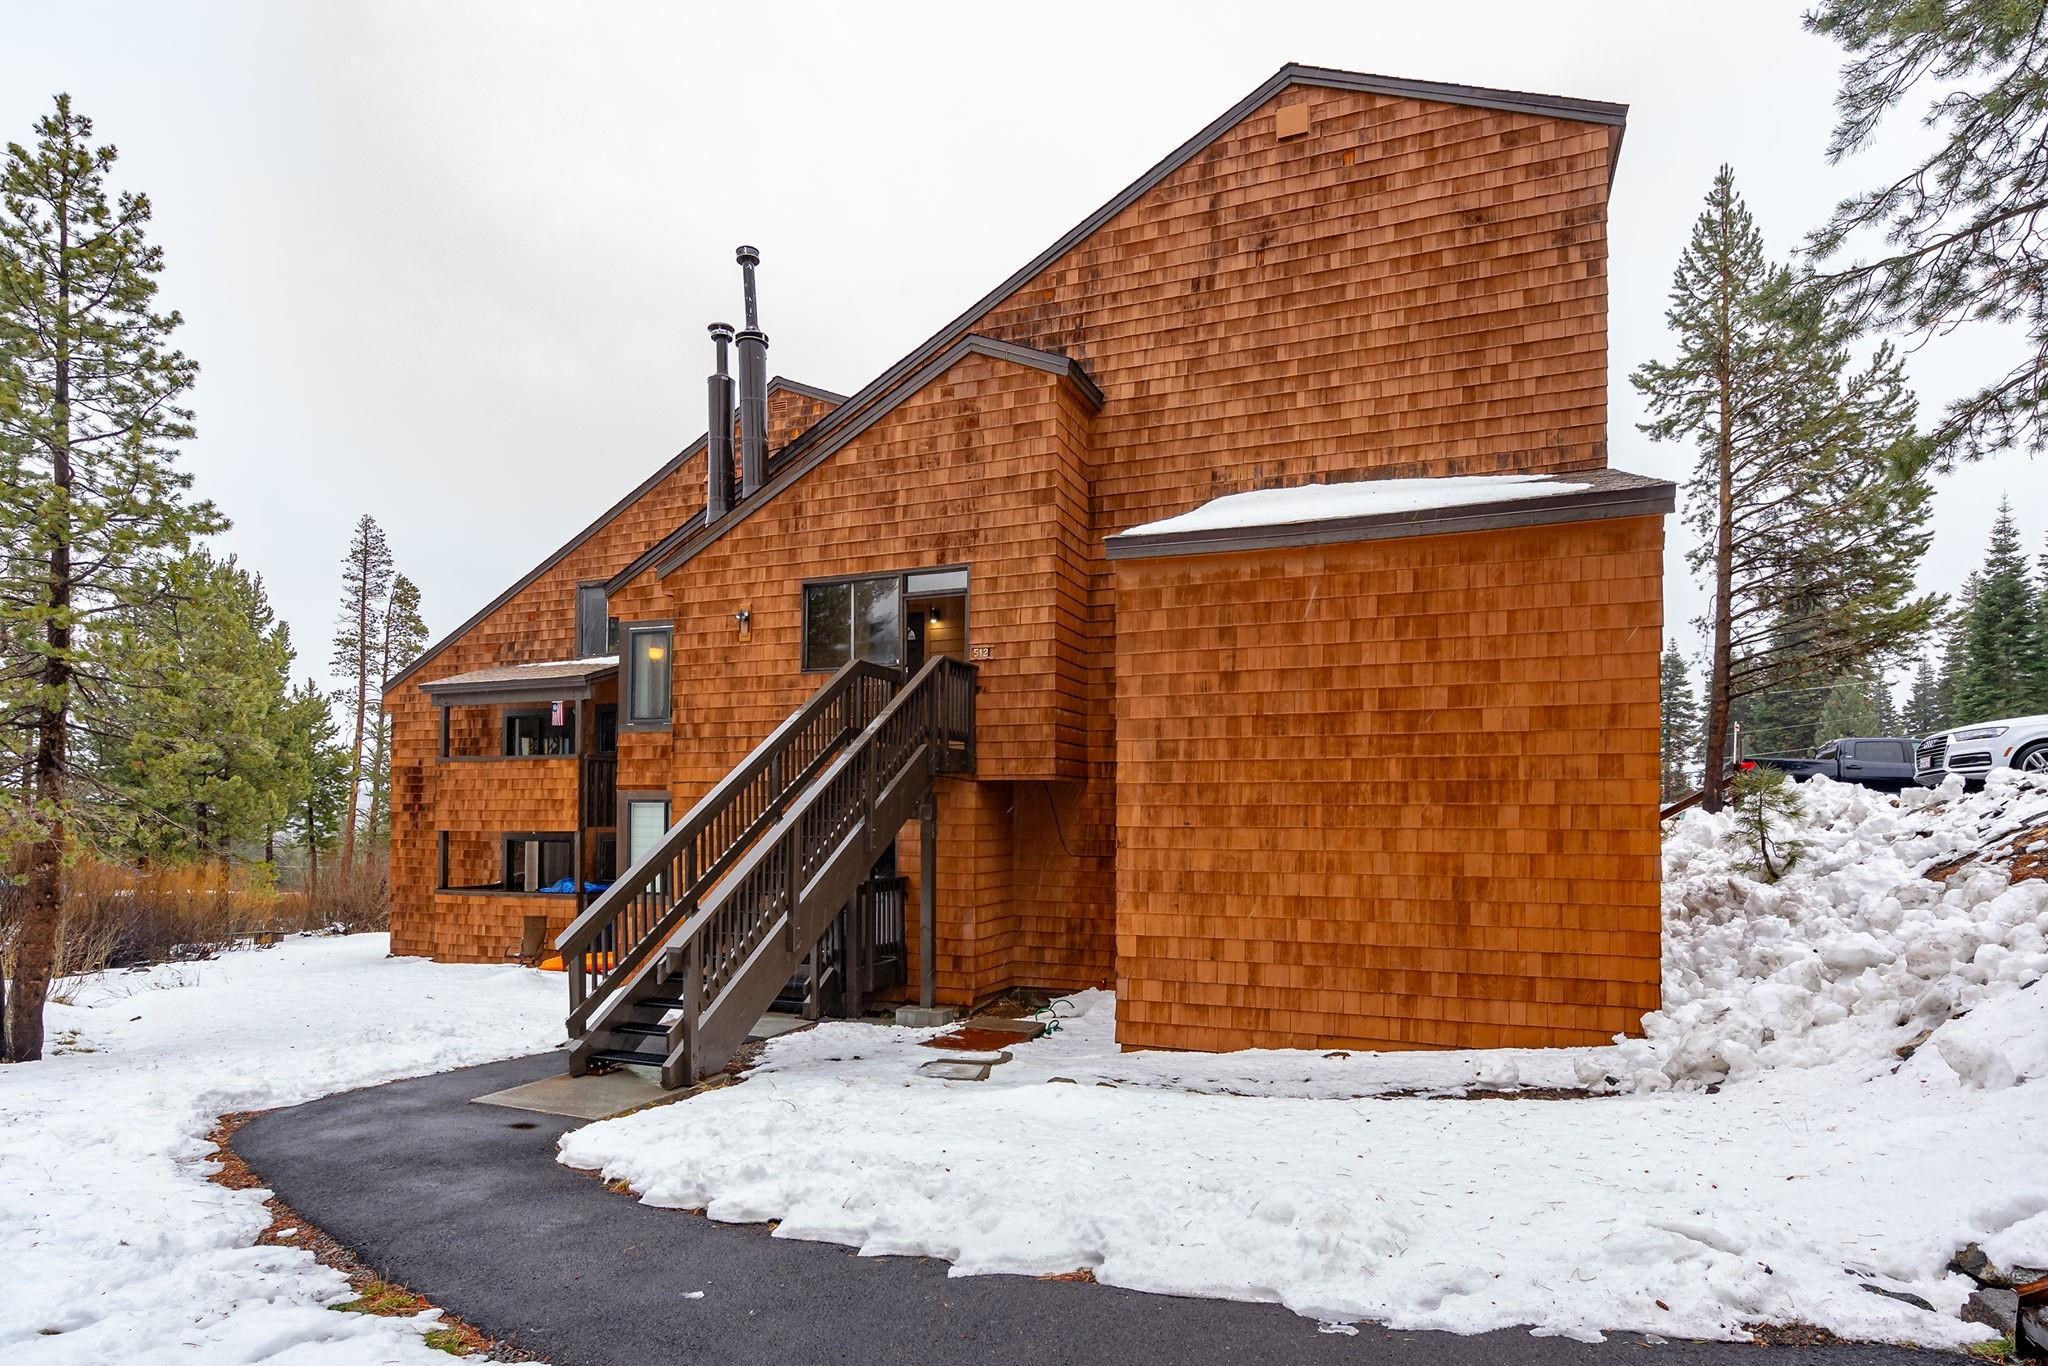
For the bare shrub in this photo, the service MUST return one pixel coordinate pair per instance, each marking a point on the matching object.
(352, 900)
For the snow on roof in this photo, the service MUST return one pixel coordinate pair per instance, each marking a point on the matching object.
(543, 672)
(1362, 498)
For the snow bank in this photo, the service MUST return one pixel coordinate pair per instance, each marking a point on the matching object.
(118, 1247)
(1821, 1168)
(1853, 953)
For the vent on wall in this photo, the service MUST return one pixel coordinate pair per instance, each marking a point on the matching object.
(1290, 121)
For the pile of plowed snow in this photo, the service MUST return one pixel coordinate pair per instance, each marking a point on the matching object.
(1855, 950)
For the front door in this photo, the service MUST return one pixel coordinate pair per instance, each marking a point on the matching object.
(934, 625)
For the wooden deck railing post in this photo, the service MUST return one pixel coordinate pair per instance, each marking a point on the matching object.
(927, 902)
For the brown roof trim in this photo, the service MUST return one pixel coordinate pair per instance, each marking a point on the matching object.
(1615, 493)
(604, 519)
(807, 390)
(661, 548)
(565, 679)
(1294, 73)
(805, 453)
(670, 466)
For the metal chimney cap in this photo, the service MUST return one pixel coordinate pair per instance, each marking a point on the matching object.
(748, 256)
(720, 331)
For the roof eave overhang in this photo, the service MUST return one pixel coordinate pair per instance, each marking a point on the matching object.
(1648, 501)
(497, 692)
(806, 453)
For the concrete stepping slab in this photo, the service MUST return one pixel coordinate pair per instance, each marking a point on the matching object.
(593, 1096)
(955, 1069)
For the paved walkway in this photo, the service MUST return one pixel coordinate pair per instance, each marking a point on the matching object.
(466, 1205)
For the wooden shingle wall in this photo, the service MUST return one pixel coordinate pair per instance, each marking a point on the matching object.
(986, 467)
(1412, 288)
(1391, 793)
(538, 623)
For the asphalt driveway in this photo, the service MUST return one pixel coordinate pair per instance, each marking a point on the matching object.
(466, 1205)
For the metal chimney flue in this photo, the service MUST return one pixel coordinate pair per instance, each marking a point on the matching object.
(718, 430)
(753, 344)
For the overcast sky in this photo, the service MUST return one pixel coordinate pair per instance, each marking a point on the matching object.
(450, 264)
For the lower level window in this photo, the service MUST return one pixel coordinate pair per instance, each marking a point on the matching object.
(853, 619)
(539, 863)
(535, 732)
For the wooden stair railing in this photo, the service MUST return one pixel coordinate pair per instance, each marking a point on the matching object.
(739, 947)
(615, 934)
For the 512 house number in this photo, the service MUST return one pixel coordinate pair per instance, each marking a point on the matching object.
(978, 653)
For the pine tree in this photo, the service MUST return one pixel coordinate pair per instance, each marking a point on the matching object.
(358, 636)
(1808, 496)
(205, 764)
(1765, 802)
(1884, 704)
(1962, 227)
(1923, 715)
(1999, 668)
(1681, 725)
(314, 749)
(1849, 710)
(2037, 691)
(404, 635)
(1953, 648)
(90, 499)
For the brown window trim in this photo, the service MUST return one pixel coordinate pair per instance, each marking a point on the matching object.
(903, 597)
(626, 721)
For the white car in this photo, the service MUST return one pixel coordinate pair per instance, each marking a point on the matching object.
(1973, 751)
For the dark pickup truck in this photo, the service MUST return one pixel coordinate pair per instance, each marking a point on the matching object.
(1874, 761)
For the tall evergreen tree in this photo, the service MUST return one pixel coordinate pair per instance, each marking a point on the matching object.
(1954, 627)
(1962, 227)
(403, 635)
(315, 750)
(1924, 715)
(358, 637)
(206, 759)
(90, 498)
(2037, 691)
(1681, 725)
(1999, 668)
(1850, 710)
(1808, 496)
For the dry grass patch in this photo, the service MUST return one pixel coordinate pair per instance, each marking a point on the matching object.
(373, 1294)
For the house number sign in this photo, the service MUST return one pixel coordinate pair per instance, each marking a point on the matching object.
(978, 653)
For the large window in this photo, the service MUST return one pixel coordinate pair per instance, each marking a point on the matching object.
(648, 671)
(539, 863)
(597, 633)
(853, 619)
(529, 733)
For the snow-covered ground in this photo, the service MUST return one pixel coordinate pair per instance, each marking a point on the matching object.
(117, 1247)
(1764, 1155)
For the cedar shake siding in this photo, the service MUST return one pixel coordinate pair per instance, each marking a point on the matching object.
(1392, 280)
(1391, 793)
(535, 621)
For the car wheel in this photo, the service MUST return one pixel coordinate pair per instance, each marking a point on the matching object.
(2032, 759)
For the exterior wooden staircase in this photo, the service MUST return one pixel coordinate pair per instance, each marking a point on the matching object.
(672, 965)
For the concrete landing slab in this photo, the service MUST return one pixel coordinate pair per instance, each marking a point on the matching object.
(595, 1096)
(769, 1026)
(925, 1017)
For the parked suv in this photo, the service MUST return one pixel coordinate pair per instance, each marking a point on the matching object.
(1973, 751)
(1881, 761)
